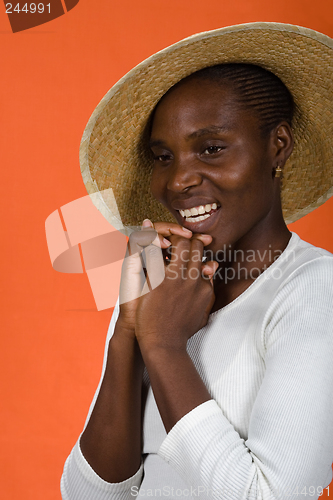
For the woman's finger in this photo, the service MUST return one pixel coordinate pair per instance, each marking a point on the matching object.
(205, 238)
(153, 262)
(185, 253)
(179, 252)
(140, 239)
(160, 241)
(132, 277)
(209, 269)
(152, 259)
(164, 230)
(132, 274)
(169, 228)
(198, 242)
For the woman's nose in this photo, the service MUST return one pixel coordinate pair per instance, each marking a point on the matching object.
(183, 175)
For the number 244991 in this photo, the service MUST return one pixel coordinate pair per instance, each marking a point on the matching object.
(28, 8)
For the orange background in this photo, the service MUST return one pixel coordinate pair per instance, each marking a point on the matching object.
(52, 77)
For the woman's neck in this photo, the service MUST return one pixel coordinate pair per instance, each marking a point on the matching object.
(244, 262)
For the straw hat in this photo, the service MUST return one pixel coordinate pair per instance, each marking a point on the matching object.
(113, 152)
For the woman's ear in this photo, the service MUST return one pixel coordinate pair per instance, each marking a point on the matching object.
(282, 141)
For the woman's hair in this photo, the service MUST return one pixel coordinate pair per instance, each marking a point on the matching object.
(256, 88)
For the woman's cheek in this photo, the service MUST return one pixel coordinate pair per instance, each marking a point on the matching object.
(157, 184)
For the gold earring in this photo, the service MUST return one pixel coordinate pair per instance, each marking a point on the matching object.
(278, 171)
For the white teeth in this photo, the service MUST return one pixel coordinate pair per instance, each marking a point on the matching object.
(196, 213)
(197, 219)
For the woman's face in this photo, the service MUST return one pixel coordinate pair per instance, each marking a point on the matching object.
(211, 161)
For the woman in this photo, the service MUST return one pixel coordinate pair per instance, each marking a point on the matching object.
(217, 379)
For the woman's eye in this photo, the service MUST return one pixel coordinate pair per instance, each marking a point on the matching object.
(162, 158)
(212, 150)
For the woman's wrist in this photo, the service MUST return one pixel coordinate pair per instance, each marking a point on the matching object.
(125, 326)
(124, 345)
(161, 344)
(163, 353)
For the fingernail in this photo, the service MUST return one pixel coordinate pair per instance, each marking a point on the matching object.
(187, 230)
(166, 242)
(147, 223)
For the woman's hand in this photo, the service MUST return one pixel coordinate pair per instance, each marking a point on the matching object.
(172, 312)
(166, 318)
(133, 280)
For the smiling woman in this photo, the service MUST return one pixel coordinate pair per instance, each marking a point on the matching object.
(213, 147)
(218, 374)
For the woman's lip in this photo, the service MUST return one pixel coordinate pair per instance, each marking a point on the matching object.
(200, 226)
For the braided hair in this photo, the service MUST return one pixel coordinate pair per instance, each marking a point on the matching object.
(256, 88)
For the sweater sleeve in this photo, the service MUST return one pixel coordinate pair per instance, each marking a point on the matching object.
(289, 450)
(79, 481)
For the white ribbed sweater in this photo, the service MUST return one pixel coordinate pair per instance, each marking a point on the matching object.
(267, 432)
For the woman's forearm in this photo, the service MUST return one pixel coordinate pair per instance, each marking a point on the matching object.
(111, 442)
(177, 386)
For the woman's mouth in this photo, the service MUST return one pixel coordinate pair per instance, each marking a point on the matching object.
(199, 213)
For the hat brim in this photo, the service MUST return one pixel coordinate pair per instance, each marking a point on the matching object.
(113, 151)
